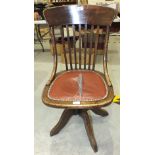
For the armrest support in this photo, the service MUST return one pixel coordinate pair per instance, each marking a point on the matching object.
(53, 72)
(108, 79)
(54, 58)
(107, 75)
(51, 79)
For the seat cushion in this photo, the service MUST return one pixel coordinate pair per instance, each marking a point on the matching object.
(78, 85)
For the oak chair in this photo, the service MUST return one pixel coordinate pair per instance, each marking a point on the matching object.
(79, 88)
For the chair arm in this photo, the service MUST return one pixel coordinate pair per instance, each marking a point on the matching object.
(108, 79)
(53, 71)
(50, 80)
(52, 74)
(107, 75)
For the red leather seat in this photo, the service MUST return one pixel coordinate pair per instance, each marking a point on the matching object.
(66, 86)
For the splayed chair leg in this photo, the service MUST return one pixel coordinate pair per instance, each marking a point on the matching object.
(100, 112)
(66, 115)
(89, 129)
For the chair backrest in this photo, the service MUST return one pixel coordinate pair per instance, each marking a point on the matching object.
(82, 28)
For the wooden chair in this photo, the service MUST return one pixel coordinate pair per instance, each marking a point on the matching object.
(79, 88)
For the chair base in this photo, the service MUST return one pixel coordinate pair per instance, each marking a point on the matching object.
(66, 115)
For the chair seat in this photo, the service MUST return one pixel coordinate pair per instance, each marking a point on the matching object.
(78, 85)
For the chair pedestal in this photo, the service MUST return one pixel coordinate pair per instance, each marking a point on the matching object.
(66, 115)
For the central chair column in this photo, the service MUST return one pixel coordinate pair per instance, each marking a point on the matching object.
(66, 115)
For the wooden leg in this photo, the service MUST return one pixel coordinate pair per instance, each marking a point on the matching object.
(66, 115)
(89, 129)
(100, 112)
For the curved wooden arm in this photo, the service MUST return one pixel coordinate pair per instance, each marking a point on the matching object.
(55, 57)
(107, 75)
(105, 57)
(52, 75)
